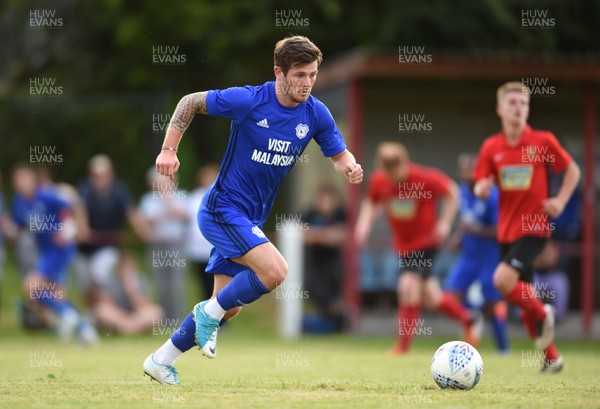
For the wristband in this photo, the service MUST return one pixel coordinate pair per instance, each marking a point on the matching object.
(169, 149)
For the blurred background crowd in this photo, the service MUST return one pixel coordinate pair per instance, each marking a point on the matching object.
(87, 90)
(136, 259)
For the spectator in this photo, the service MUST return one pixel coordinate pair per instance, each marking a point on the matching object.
(163, 208)
(197, 248)
(378, 270)
(324, 267)
(550, 278)
(550, 281)
(108, 204)
(121, 303)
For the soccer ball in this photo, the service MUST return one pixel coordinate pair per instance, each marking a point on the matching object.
(456, 365)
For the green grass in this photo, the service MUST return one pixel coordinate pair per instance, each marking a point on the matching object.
(255, 369)
(253, 372)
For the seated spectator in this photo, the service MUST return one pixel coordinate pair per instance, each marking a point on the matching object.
(163, 208)
(120, 304)
(108, 203)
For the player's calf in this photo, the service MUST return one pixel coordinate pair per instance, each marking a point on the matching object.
(231, 313)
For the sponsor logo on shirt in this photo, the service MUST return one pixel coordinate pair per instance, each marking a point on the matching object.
(516, 177)
(279, 153)
(403, 209)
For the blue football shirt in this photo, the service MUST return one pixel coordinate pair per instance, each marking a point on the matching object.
(482, 213)
(41, 214)
(265, 140)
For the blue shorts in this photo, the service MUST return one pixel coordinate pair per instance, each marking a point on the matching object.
(53, 263)
(466, 270)
(232, 234)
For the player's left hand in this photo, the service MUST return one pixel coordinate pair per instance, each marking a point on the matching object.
(354, 173)
(553, 206)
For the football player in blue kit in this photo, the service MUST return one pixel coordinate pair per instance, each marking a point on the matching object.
(479, 254)
(49, 216)
(271, 125)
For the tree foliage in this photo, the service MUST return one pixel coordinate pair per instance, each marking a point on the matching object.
(102, 56)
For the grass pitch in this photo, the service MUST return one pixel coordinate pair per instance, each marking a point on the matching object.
(255, 369)
(253, 372)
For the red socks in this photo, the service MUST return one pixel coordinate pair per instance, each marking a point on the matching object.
(529, 323)
(524, 296)
(450, 306)
(408, 320)
(550, 353)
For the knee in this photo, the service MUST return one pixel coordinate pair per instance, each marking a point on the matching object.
(278, 271)
(409, 288)
(429, 303)
(499, 282)
(504, 280)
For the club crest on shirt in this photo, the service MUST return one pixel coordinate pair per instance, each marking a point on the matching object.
(301, 130)
(258, 232)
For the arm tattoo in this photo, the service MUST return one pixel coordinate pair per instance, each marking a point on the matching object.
(189, 105)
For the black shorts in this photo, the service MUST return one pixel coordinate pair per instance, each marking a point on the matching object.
(417, 261)
(521, 254)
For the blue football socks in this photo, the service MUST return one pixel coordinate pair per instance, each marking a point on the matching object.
(243, 289)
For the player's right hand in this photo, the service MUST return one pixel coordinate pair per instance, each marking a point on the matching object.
(483, 187)
(167, 163)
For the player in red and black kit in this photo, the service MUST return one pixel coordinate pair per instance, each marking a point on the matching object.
(409, 194)
(517, 159)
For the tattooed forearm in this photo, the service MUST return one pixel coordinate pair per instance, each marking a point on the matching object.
(189, 105)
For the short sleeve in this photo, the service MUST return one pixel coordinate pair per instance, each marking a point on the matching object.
(485, 164)
(328, 137)
(559, 157)
(123, 196)
(52, 199)
(439, 182)
(233, 103)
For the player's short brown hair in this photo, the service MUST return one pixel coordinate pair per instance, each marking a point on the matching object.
(390, 154)
(512, 86)
(296, 50)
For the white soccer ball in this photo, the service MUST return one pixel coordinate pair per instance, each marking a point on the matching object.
(456, 365)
